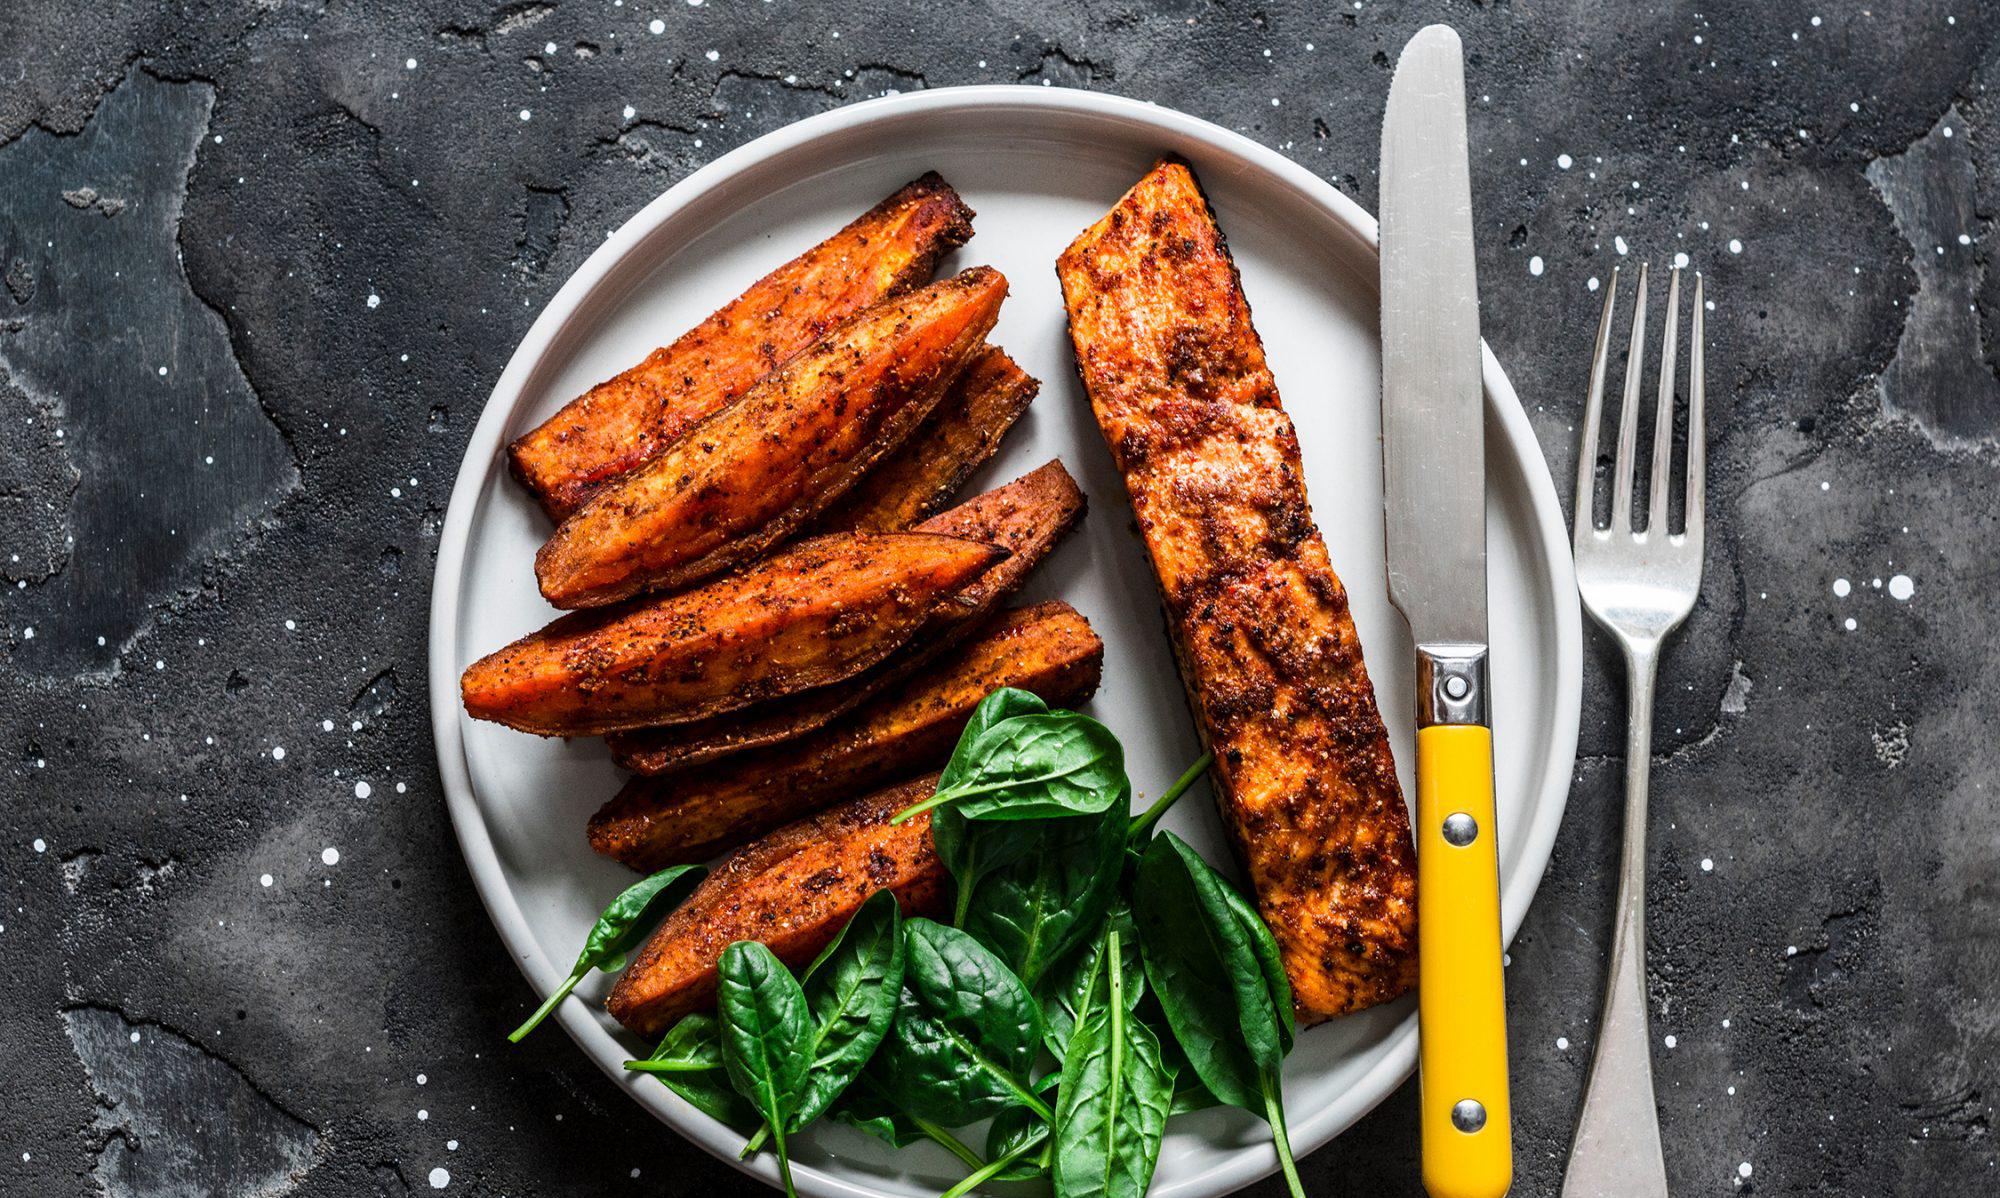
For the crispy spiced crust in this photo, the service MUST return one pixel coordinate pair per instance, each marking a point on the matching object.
(1267, 647)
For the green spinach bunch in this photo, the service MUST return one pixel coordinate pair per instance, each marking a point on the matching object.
(1094, 980)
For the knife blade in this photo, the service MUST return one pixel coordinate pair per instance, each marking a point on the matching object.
(1434, 514)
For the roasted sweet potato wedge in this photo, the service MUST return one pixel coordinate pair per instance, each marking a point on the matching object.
(1048, 649)
(622, 422)
(963, 431)
(821, 612)
(1268, 650)
(1027, 517)
(793, 890)
(755, 472)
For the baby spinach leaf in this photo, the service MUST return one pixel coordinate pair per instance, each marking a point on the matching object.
(1218, 984)
(1269, 963)
(1204, 972)
(629, 917)
(1115, 1097)
(766, 1033)
(966, 1030)
(1080, 983)
(1034, 910)
(1035, 765)
(689, 1062)
(1042, 766)
(852, 991)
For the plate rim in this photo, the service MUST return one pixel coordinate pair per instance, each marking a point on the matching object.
(483, 449)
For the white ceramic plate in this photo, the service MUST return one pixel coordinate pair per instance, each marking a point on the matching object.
(1038, 164)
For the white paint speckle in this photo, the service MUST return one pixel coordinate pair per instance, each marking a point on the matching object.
(1564, 161)
(1708, 865)
(1672, 1041)
(1535, 266)
(1841, 587)
(1735, 246)
(1593, 284)
(526, 115)
(440, 1178)
(402, 788)
(362, 790)
(409, 64)
(326, 725)
(1849, 624)
(329, 855)
(1562, 1043)
(422, 1079)
(41, 846)
(713, 55)
(451, 1145)
(374, 301)
(1743, 1170)
(422, 1115)
(1618, 243)
(277, 752)
(1681, 261)
(657, 27)
(630, 112)
(1901, 588)
(265, 881)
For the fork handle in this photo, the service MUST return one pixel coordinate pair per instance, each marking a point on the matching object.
(1617, 1149)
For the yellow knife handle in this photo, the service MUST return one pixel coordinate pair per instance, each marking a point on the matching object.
(1462, 1054)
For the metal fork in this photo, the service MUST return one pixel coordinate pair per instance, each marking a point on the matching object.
(1639, 584)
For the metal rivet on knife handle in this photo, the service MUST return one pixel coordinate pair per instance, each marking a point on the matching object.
(1468, 1115)
(1460, 829)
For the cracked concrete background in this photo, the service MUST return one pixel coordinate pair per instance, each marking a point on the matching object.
(262, 262)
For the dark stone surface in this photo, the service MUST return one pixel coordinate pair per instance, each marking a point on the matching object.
(333, 253)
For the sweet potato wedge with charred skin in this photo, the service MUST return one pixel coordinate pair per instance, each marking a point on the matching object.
(755, 472)
(624, 421)
(816, 614)
(963, 431)
(1027, 517)
(1048, 649)
(794, 890)
(1267, 646)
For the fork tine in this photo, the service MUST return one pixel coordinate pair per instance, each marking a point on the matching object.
(1663, 416)
(1697, 483)
(1593, 411)
(1628, 415)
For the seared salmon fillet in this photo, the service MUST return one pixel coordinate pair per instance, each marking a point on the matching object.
(1267, 647)
(624, 421)
(1048, 649)
(963, 431)
(1027, 517)
(749, 476)
(794, 890)
(816, 614)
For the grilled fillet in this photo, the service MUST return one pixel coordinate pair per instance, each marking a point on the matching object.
(755, 472)
(654, 822)
(1026, 517)
(794, 890)
(1179, 385)
(624, 421)
(816, 614)
(963, 431)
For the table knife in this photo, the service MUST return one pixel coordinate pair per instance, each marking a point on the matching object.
(1434, 507)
